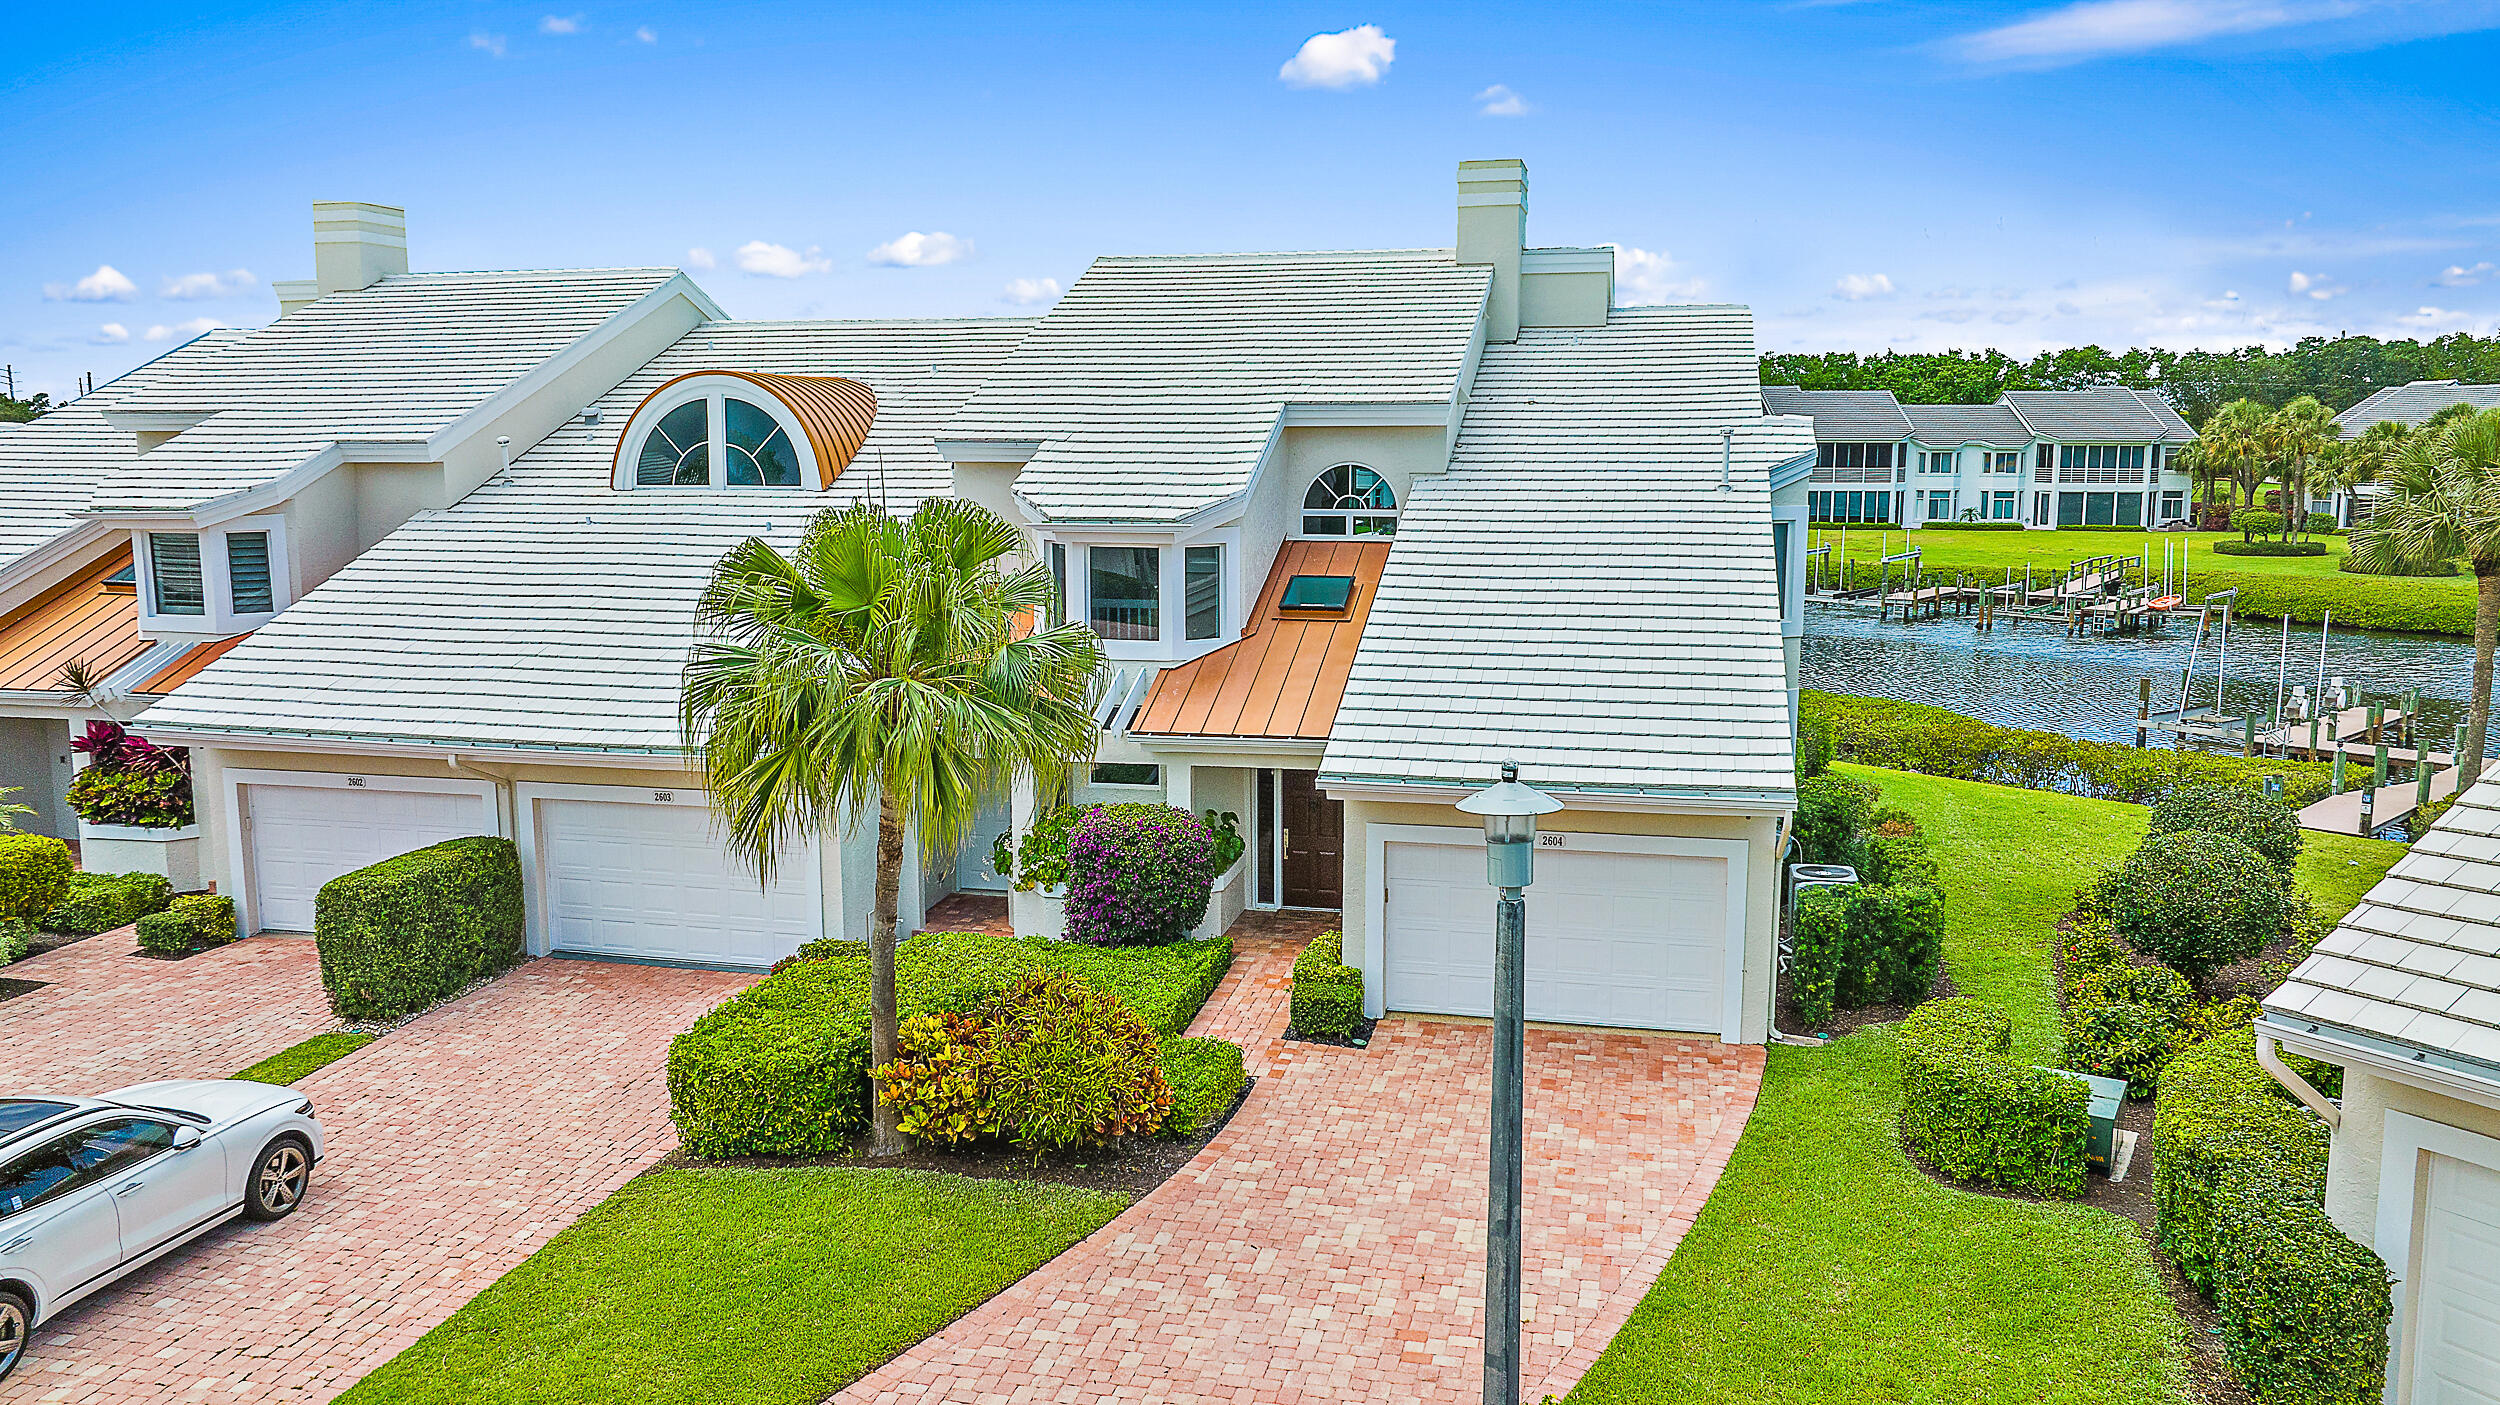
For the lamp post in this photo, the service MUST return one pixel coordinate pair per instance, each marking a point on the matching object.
(1510, 810)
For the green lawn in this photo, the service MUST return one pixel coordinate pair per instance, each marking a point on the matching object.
(738, 1287)
(314, 1054)
(1826, 1268)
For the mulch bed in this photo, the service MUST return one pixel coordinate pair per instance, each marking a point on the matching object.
(1132, 1166)
(42, 942)
(11, 988)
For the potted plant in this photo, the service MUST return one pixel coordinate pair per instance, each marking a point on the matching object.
(1035, 866)
(134, 806)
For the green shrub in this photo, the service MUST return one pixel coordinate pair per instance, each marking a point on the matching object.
(100, 902)
(165, 933)
(1865, 944)
(1818, 938)
(2320, 524)
(34, 875)
(1069, 1066)
(17, 937)
(1327, 993)
(409, 931)
(2216, 1111)
(1138, 875)
(2125, 1021)
(1229, 845)
(1833, 815)
(2197, 902)
(1041, 860)
(2254, 818)
(2270, 548)
(194, 921)
(1971, 527)
(1206, 1077)
(2415, 569)
(2253, 523)
(1977, 1115)
(1897, 852)
(1814, 746)
(2359, 601)
(2420, 821)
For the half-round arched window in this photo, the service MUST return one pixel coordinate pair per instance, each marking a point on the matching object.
(1349, 500)
(740, 429)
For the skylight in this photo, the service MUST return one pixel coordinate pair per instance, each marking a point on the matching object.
(1317, 593)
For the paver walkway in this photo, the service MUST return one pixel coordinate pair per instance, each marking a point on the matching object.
(1329, 1244)
(458, 1144)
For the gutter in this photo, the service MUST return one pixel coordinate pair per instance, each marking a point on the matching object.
(2270, 1058)
(2454, 1075)
(511, 753)
(1664, 798)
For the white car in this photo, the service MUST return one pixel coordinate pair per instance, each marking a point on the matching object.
(92, 1188)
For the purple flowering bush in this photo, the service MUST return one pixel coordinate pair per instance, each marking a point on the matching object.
(1138, 875)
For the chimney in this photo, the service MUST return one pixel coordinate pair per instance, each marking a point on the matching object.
(356, 245)
(1492, 226)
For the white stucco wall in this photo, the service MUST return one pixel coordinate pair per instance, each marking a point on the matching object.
(2353, 1172)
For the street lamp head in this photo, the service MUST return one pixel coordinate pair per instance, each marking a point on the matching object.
(1510, 810)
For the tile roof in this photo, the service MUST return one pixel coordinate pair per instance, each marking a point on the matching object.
(1154, 386)
(1949, 426)
(1575, 593)
(82, 620)
(2414, 402)
(2105, 414)
(2418, 961)
(547, 610)
(394, 363)
(1841, 414)
(1284, 677)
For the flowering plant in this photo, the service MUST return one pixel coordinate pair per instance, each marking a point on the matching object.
(1138, 875)
(130, 780)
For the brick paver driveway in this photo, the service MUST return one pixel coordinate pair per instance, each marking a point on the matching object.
(1329, 1245)
(458, 1144)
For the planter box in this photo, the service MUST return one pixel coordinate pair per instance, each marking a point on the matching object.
(1232, 894)
(1043, 912)
(124, 848)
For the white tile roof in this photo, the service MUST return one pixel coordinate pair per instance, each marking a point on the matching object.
(393, 363)
(50, 466)
(2418, 962)
(1576, 594)
(1154, 386)
(547, 610)
(2414, 402)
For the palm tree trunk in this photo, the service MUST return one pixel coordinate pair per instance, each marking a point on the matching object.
(2486, 634)
(886, 1138)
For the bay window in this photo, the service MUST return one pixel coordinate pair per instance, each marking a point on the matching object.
(1125, 589)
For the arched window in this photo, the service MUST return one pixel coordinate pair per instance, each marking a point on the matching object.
(744, 429)
(759, 448)
(678, 450)
(1349, 500)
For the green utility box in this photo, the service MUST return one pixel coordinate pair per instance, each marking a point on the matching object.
(2108, 1095)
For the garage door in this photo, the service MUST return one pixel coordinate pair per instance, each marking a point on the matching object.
(1631, 940)
(301, 837)
(2456, 1333)
(654, 882)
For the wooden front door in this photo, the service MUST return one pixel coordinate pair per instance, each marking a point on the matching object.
(1314, 844)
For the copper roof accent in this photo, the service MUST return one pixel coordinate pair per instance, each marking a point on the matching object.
(81, 620)
(1284, 677)
(184, 669)
(834, 410)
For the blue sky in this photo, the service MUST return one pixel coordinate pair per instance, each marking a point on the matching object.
(1865, 175)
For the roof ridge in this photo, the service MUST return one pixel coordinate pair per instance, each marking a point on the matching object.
(1254, 255)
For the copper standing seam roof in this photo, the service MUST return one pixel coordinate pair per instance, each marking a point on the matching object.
(834, 410)
(1284, 677)
(81, 620)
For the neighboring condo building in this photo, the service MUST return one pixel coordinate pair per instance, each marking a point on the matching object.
(2407, 404)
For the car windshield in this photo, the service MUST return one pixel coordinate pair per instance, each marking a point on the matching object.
(18, 1114)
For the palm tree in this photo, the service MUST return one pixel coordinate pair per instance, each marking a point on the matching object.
(2231, 448)
(886, 667)
(2365, 458)
(2297, 437)
(2444, 502)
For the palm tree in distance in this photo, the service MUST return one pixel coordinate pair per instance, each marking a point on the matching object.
(886, 667)
(2443, 502)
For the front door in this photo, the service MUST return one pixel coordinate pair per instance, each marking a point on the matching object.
(1314, 844)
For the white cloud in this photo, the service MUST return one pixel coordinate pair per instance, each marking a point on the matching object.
(489, 44)
(192, 286)
(1349, 58)
(2436, 318)
(1031, 292)
(917, 250)
(2098, 28)
(182, 331)
(2314, 285)
(700, 257)
(781, 261)
(1500, 101)
(646, 34)
(560, 24)
(1643, 277)
(106, 284)
(111, 333)
(1858, 287)
(2458, 275)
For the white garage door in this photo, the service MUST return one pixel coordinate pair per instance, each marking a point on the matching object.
(2456, 1354)
(1637, 941)
(654, 882)
(300, 837)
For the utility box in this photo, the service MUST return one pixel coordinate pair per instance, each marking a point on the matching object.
(2108, 1096)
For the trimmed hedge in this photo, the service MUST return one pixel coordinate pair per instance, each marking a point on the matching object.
(2254, 818)
(1834, 814)
(1814, 746)
(17, 937)
(194, 922)
(2254, 522)
(2269, 548)
(2197, 901)
(781, 1068)
(1936, 741)
(1327, 993)
(1970, 526)
(100, 902)
(35, 874)
(1865, 944)
(1207, 1077)
(409, 931)
(1977, 1115)
(2239, 1179)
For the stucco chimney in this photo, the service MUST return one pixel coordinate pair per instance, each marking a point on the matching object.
(356, 245)
(1492, 226)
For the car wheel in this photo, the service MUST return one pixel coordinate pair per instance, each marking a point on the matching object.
(17, 1318)
(279, 1180)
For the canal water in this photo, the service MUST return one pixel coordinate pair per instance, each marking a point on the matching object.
(2032, 675)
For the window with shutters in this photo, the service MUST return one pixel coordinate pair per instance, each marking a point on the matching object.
(219, 580)
(247, 573)
(174, 568)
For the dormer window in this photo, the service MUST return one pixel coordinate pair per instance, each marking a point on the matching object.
(1349, 500)
(739, 429)
(219, 580)
(678, 450)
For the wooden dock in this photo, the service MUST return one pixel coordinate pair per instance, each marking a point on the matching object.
(2341, 814)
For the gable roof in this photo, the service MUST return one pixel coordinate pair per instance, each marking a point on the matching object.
(548, 611)
(1153, 388)
(2417, 963)
(396, 363)
(1576, 593)
(1841, 414)
(1950, 426)
(2104, 414)
(2414, 402)
(1286, 674)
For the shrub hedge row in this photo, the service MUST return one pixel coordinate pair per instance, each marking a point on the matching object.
(2269, 548)
(2239, 1178)
(2302, 595)
(409, 931)
(1972, 527)
(1938, 742)
(1865, 944)
(34, 875)
(1206, 1077)
(1327, 993)
(1977, 1115)
(195, 921)
(100, 902)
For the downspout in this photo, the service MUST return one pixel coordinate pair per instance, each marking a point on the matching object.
(2270, 1059)
(506, 816)
(1783, 837)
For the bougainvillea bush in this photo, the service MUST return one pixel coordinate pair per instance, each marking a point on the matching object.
(131, 780)
(1138, 875)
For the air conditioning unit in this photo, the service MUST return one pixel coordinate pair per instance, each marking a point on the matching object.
(1805, 876)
